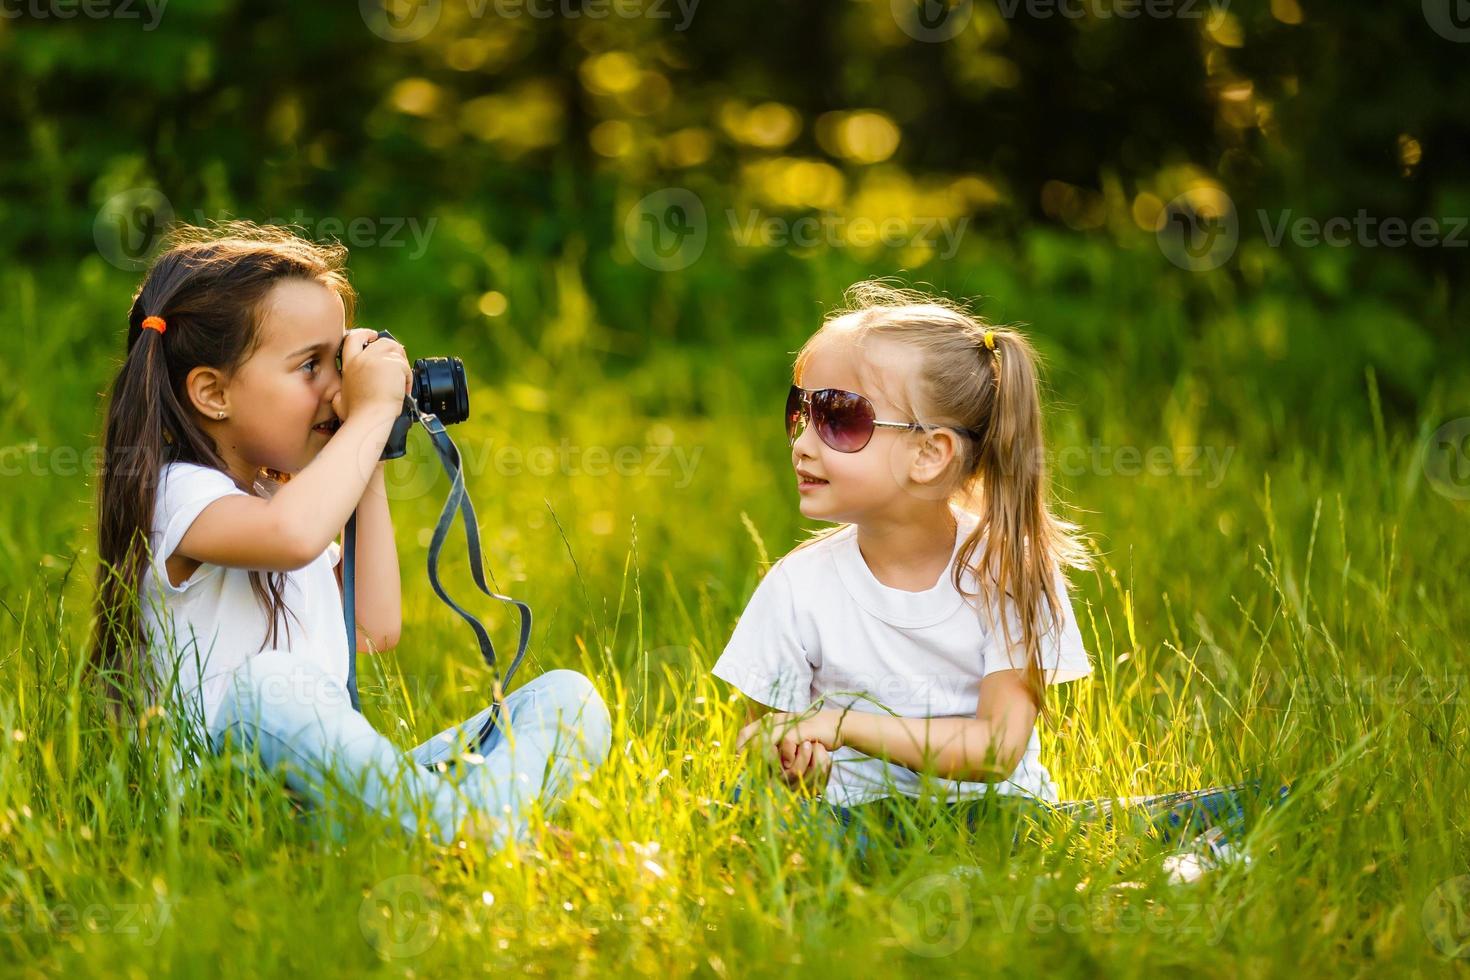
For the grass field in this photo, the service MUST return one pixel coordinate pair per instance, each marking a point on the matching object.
(1279, 592)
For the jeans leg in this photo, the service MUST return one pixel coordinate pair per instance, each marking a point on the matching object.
(299, 718)
(549, 731)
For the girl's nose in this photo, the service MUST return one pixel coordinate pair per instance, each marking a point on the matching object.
(807, 443)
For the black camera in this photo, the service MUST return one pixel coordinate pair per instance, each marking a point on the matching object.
(438, 389)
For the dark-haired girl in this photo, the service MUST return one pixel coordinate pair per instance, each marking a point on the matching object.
(235, 451)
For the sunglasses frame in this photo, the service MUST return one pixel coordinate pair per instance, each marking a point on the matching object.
(804, 419)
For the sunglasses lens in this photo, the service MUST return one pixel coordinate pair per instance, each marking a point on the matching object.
(843, 419)
(793, 413)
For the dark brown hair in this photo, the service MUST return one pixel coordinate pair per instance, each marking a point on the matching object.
(208, 285)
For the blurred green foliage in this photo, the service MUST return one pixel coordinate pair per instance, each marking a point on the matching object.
(529, 129)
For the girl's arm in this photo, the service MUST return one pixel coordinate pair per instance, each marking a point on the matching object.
(378, 594)
(294, 526)
(985, 748)
(754, 710)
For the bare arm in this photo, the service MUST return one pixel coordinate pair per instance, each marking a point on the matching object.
(378, 593)
(292, 528)
(754, 710)
(985, 748)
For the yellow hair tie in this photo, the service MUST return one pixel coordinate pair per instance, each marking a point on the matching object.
(990, 339)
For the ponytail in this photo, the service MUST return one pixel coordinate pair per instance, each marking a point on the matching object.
(132, 458)
(1020, 543)
(207, 288)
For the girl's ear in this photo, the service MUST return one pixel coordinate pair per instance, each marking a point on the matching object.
(207, 392)
(937, 450)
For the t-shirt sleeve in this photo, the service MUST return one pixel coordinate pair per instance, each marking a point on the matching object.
(1062, 655)
(765, 658)
(183, 493)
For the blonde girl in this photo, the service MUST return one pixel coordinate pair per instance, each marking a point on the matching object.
(919, 635)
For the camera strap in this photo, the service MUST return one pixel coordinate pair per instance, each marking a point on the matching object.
(458, 500)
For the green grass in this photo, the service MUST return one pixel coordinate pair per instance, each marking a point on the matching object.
(1299, 614)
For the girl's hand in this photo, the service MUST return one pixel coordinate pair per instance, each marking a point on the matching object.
(781, 733)
(808, 772)
(376, 374)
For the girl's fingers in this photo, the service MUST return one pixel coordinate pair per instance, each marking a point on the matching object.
(796, 766)
(354, 344)
(788, 749)
(821, 757)
(795, 773)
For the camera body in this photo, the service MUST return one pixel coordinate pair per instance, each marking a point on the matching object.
(438, 389)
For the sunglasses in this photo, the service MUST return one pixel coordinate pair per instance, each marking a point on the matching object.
(844, 420)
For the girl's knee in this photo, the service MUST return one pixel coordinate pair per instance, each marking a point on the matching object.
(566, 688)
(577, 699)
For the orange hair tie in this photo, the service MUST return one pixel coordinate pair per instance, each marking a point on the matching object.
(154, 323)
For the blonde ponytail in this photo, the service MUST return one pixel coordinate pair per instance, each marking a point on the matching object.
(982, 378)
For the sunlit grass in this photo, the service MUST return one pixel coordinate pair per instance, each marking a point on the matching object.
(1300, 618)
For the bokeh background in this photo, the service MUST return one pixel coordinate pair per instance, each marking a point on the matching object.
(1236, 229)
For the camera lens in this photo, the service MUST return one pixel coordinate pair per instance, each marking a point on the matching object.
(439, 388)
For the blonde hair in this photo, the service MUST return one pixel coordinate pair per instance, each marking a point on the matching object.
(982, 378)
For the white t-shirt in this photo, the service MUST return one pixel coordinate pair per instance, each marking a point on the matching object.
(212, 622)
(820, 624)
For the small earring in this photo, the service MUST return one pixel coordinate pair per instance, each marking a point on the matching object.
(220, 415)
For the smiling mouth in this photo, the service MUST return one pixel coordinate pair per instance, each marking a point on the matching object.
(809, 481)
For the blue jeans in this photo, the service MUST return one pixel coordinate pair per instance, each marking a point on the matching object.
(299, 719)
